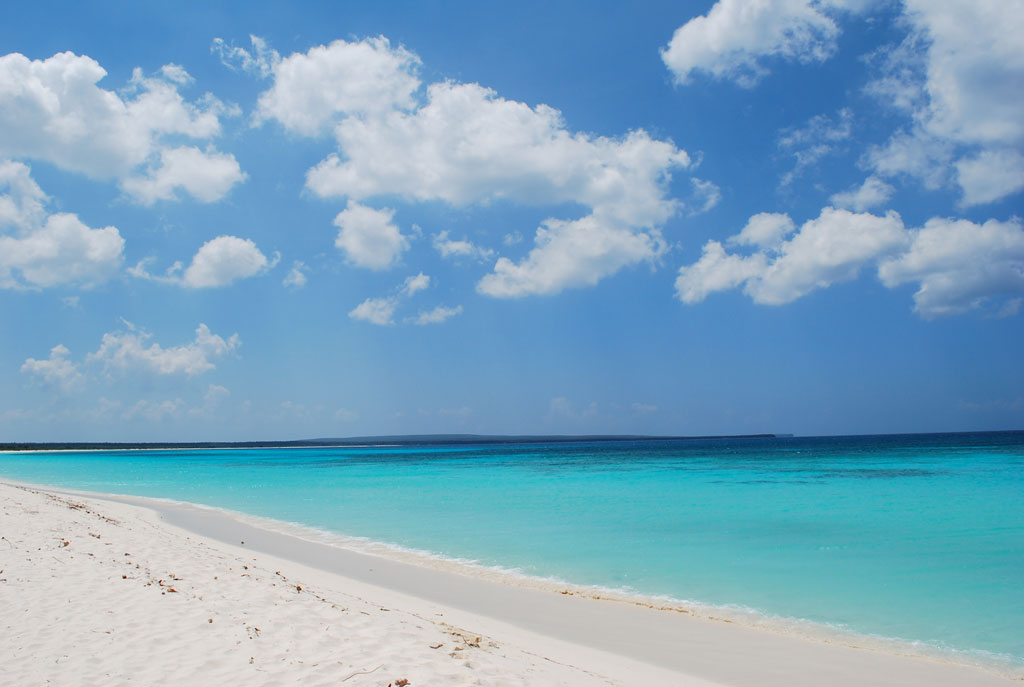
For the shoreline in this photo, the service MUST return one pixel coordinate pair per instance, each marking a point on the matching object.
(796, 628)
(692, 648)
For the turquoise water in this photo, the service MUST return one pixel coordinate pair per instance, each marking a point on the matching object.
(918, 538)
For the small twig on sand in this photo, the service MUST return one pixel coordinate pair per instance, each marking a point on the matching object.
(362, 672)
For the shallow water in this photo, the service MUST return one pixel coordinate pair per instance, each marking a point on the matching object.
(919, 538)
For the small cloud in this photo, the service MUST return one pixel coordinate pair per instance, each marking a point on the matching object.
(512, 239)
(379, 311)
(706, 195)
(415, 283)
(872, 193)
(70, 302)
(437, 315)
(816, 139)
(215, 394)
(176, 73)
(155, 411)
(450, 248)
(644, 408)
(260, 61)
(296, 277)
(561, 407)
(345, 415)
(369, 237)
(56, 370)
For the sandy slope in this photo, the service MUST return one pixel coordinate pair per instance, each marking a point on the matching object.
(100, 592)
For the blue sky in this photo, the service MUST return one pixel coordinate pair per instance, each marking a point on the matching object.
(668, 218)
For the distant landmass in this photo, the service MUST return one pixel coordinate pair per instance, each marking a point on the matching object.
(383, 440)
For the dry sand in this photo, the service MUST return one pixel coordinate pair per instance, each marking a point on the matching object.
(111, 591)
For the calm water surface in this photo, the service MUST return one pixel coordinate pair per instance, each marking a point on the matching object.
(919, 537)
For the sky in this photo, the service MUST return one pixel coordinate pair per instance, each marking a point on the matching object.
(674, 218)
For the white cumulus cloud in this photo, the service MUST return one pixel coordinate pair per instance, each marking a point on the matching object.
(733, 39)
(56, 370)
(130, 350)
(359, 78)
(206, 176)
(570, 254)
(829, 249)
(368, 237)
(960, 266)
(379, 311)
(990, 175)
(961, 86)
(39, 250)
(416, 283)
(53, 110)
(218, 262)
(464, 145)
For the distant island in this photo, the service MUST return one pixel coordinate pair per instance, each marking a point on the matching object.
(383, 440)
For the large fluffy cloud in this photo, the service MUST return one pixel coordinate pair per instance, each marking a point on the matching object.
(959, 76)
(53, 110)
(958, 265)
(462, 144)
(39, 250)
(829, 249)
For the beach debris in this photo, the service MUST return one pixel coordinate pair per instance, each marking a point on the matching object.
(400, 682)
(65, 543)
(210, 620)
(362, 672)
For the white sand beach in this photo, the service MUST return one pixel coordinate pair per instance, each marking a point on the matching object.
(100, 590)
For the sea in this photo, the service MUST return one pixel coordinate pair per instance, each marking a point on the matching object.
(911, 543)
